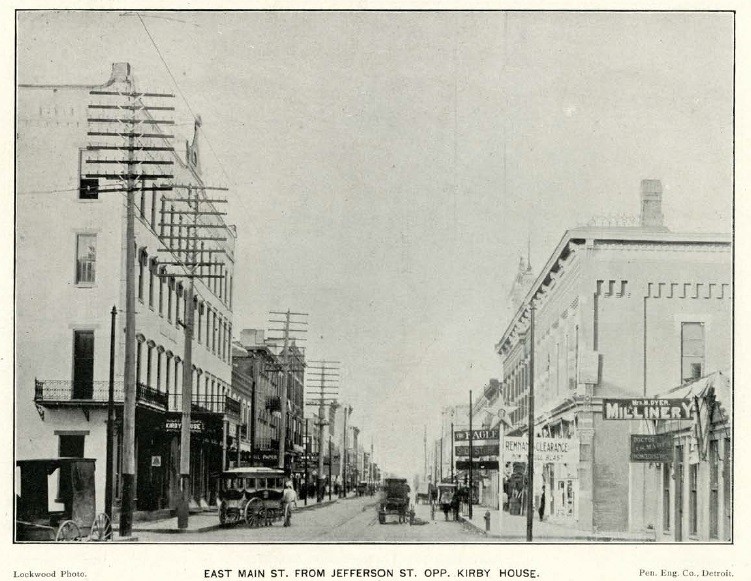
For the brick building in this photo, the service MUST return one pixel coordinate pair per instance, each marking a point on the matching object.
(619, 312)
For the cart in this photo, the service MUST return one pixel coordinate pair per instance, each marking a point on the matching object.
(447, 497)
(252, 496)
(56, 501)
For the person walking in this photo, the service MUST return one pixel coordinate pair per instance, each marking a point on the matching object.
(541, 510)
(289, 497)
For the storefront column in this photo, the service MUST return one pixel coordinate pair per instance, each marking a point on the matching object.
(585, 419)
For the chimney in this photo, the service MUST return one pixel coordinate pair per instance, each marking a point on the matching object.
(120, 73)
(651, 204)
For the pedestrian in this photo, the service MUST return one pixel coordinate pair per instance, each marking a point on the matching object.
(289, 497)
(541, 510)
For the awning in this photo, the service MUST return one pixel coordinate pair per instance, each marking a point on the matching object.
(715, 385)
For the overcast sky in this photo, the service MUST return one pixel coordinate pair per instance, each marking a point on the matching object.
(387, 169)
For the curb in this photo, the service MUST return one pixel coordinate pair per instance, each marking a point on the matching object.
(596, 538)
(218, 526)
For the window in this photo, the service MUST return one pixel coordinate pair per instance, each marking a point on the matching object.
(666, 496)
(178, 298)
(141, 273)
(692, 351)
(159, 370)
(85, 258)
(152, 277)
(149, 361)
(83, 364)
(198, 325)
(153, 208)
(162, 272)
(88, 189)
(693, 475)
(170, 287)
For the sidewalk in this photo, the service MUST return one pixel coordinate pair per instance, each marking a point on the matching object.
(514, 529)
(207, 521)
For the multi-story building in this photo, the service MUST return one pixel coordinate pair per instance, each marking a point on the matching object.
(619, 312)
(261, 366)
(71, 255)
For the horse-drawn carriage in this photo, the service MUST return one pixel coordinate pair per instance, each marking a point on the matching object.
(56, 501)
(395, 500)
(250, 495)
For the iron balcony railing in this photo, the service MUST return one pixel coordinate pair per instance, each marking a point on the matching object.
(208, 403)
(65, 391)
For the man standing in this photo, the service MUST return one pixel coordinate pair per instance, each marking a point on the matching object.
(289, 497)
(542, 503)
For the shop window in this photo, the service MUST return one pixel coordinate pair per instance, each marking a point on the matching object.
(692, 351)
(85, 259)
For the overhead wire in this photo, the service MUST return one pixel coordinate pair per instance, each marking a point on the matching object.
(201, 129)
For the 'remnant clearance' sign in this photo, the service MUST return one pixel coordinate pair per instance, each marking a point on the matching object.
(547, 450)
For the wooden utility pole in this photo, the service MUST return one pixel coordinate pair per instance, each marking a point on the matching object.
(324, 383)
(531, 425)
(470, 455)
(288, 323)
(119, 123)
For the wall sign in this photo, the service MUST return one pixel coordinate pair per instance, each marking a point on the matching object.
(651, 448)
(176, 425)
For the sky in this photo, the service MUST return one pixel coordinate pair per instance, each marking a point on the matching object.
(388, 169)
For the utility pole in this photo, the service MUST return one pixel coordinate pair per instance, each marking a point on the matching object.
(470, 455)
(425, 450)
(307, 453)
(452, 451)
(121, 122)
(531, 423)
(323, 380)
(347, 411)
(286, 330)
(110, 428)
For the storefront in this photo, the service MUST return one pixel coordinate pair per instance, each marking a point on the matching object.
(695, 488)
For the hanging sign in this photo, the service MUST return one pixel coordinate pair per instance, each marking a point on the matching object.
(477, 464)
(646, 409)
(651, 448)
(463, 435)
(547, 450)
(477, 451)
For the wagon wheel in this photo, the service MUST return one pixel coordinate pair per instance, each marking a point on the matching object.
(254, 513)
(223, 513)
(101, 530)
(68, 532)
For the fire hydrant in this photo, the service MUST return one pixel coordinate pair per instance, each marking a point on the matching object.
(487, 521)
